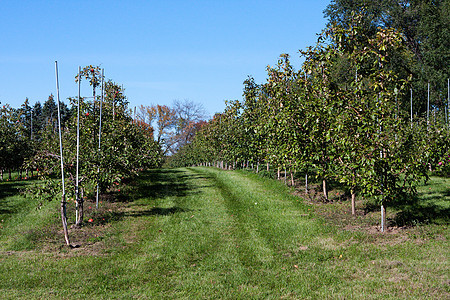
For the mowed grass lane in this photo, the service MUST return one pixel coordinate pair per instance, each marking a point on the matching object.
(206, 233)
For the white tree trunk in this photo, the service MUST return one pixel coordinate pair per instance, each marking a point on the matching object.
(383, 218)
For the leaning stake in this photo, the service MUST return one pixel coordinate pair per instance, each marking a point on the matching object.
(63, 198)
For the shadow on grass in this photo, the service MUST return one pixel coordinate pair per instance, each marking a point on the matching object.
(157, 185)
(415, 211)
(110, 217)
(160, 184)
(422, 214)
(9, 189)
(157, 211)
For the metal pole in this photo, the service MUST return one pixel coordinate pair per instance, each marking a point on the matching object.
(100, 134)
(77, 196)
(306, 182)
(445, 112)
(114, 104)
(383, 210)
(428, 107)
(383, 215)
(411, 107)
(63, 198)
(59, 127)
(31, 131)
(396, 105)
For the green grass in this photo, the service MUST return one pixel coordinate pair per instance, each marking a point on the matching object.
(198, 233)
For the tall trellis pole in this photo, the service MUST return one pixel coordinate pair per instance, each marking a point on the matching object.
(77, 181)
(411, 107)
(448, 102)
(428, 107)
(382, 208)
(100, 134)
(63, 197)
(31, 124)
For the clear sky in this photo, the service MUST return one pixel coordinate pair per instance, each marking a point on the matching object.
(158, 50)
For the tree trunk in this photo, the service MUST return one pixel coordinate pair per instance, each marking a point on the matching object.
(268, 167)
(353, 202)
(9, 175)
(292, 179)
(80, 213)
(1, 174)
(278, 174)
(64, 219)
(325, 191)
(257, 167)
(285, 176)
(80, 209)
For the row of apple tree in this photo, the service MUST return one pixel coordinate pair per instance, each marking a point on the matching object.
(30, 143)
(340, 117)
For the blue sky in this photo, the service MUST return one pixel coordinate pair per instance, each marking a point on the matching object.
(159, 51)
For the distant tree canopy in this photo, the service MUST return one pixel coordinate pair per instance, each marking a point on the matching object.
(175, 126)
(425, 26)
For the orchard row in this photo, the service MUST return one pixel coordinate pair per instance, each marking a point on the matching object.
(339, 117)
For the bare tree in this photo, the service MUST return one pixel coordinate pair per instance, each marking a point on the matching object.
(188, 114)
(174, 126)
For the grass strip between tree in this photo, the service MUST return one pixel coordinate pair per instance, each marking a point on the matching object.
(208, 233)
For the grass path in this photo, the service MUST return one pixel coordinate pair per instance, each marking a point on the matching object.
(199, 233)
